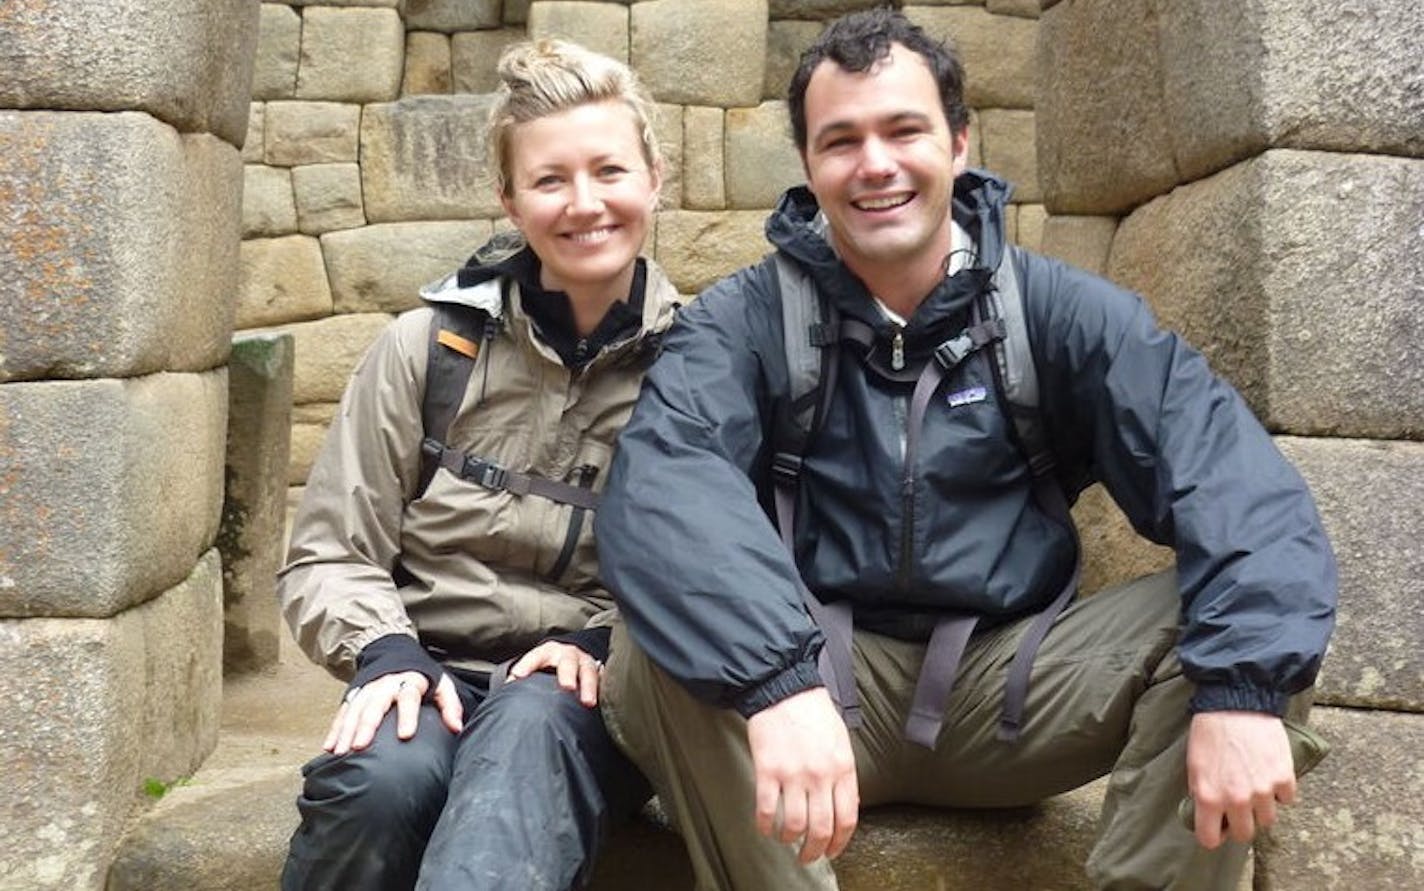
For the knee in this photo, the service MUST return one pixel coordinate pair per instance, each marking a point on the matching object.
(392, 781)
(531, 709)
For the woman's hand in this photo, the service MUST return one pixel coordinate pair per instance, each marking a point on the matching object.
(576, 670)
(365, 707)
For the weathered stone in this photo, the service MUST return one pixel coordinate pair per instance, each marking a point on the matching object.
(785, 41)
(1360, 820)
(516, 12)
(667, 129)
(328, 197)
(474, 55)
(252, 143)
(351, 55)
(704, 185)
(427, 64)
(311, 132)
(602, 27)
(997, 51)
(76, 754)
(451, 15)
(1104, 142)
(1029, 232)
(381, 268)
(1025, 8)
(762, 161)
(1235, 262)
(110, 489)
(189, 65)
(309, 425)
(701, 52)
(283, 280)
(1113, 552)
(824, 10)
(1008, 144)
(279, 45)
(696, 249)
(251, 537)
(119, 240)
(424, 158)
(1011, 223)
(1082, 241)
(1303, 90)
(1368, 495)
(388, 3)
(976, 153)
(327, 351)
(267, 205)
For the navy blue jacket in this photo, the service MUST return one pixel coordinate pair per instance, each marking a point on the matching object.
(707, 589)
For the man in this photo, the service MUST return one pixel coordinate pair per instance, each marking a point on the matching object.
(916, 512)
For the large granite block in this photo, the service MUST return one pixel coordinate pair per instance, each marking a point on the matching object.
(1007, 137)
(1369, 493)
(310, 132)
(785, 41)
(668, 130)
(425, 158)
(112, 488)
(94, 707)
(450, 15)
(601, 27)
(824, 10)
(701, 52)
(309, 425)
(279, 46)
(252, 144)
(997, 52)
(704, 184)
(1360, 820)
(283, 280)
(1104, 141)
(119, 239)
(1242, 77)
(697, 248)
(1081, 241)
(762, 161)
(328, 197)
(268, 206)
(381, 268)
(251, 537)
(1297, 273)
(1113, 552)
(327, 351)
(189, 64)
(474, 54)
(427, 64)
(351, 55)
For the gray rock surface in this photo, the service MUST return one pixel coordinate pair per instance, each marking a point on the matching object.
(189, 64)
(704, 185)
(309, 424)
(351, 55)
(1080, 240)
(1007, 138)
(310, 132)
(785, 41)
(701, 52)
(327, 351)
(252, 143)
(112, 489)
(424, 158)
(997, 51)
(251, 537)
(119, 238)
(282, 280)
(450, 15)
(762, 161)
(601, 27)
(427, 64)
(279, 46)
(328, 197)
(268, 206)
(696, 248)
(1113, 552)
(474, 54)
(381, 268)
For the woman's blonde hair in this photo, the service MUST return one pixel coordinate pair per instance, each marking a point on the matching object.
(545, 77)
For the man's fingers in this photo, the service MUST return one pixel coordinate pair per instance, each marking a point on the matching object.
(793, 814)
(768, 796)
(1241, 822)
(1209, 824)
(847, 810)
(1285, 790)
(820, 825)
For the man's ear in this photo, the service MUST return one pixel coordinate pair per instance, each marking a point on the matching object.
(959, 145)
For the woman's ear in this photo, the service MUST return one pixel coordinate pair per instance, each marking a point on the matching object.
(508, 204)
(655, 177)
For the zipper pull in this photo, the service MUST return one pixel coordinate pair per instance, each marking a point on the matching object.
(581, 351)
(897, 351)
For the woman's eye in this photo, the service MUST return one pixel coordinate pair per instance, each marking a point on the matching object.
(610, 171)
(546, 181)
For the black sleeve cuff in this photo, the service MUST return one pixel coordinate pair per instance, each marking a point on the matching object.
(798, 678)
(395, 653)
(593, 641)
(1222, 698)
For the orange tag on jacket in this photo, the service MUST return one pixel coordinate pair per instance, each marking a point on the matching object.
(458, 343)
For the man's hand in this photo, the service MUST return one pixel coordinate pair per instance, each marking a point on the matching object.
(365, 707)
(576, 670)
(1238, 767)
(802, 756)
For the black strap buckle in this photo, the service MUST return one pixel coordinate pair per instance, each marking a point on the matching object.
(486, 473)
(786, 467)
(950, 353)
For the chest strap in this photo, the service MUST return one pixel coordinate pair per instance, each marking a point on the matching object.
(492, 476)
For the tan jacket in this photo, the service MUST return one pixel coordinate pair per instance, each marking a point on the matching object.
(482, 558)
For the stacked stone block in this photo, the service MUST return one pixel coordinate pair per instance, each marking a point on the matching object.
(366, 142)
(1265, 194)
(120, 211)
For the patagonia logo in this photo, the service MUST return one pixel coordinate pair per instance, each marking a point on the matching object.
(967, 397)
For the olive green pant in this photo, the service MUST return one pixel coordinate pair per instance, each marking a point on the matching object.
(1107, 696)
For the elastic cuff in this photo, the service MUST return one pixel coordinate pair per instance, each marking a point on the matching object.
(1214, 698)
(797, 679)
(395, 653)
(593, 641)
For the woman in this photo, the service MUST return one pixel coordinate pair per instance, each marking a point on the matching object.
(416, 568)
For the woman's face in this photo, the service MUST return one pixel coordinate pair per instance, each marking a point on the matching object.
(582, 193)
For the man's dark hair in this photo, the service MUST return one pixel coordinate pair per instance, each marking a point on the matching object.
(857, 42)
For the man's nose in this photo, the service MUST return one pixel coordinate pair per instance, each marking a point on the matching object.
(877, 161)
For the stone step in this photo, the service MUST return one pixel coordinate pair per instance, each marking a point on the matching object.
(227, 828)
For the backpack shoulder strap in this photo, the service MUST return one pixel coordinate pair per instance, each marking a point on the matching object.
(457, 334)
(1017, 373)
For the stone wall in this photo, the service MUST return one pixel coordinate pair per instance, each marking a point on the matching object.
(366, 145)
(120, 206)
(1265, 192)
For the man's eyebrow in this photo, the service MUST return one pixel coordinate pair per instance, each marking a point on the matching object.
(899, 117)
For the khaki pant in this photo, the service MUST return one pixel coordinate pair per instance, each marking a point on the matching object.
(1107, 695)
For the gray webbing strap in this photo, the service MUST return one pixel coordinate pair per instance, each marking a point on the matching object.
(492, 476)
(937, 673)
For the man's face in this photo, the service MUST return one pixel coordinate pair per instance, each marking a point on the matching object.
(881, 161)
